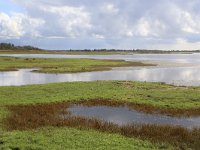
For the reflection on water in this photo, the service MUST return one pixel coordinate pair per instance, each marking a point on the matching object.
(178, 76)
(123, 116)
(184, 58)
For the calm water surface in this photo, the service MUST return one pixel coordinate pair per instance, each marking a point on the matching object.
(184, 58)
(188, 76)
(177, 76)
(123, 116)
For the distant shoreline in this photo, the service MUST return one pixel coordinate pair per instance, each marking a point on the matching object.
(8, 48)
(93, 52)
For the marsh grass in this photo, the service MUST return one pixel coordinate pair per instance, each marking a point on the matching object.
(158, 95)
(63, 65)
(66, 138)
(24, 117)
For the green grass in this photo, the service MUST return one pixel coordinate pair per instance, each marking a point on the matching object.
(70, 138)
(53, 65)
(154, 94)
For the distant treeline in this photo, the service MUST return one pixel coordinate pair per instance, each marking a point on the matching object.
(131, 51)
(9, 46)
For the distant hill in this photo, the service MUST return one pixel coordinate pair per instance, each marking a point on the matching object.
(9, 46)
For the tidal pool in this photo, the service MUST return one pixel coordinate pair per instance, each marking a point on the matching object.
(124, 116)
(186, 76)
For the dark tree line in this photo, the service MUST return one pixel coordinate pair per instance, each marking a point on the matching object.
(140, 51)
(9, 46)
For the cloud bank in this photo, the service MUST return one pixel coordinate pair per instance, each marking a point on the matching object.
(127, 24)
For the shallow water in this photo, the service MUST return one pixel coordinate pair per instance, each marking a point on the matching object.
(183, 58)
(123, 116)
(188, 76)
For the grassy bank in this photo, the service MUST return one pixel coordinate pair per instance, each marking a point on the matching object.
(152, 94)
(53, 65)
(156, 96)
(70, 138)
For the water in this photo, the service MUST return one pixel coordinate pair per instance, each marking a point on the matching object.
(123, 116)
(183, 58)
(186, 76)
(177, 76)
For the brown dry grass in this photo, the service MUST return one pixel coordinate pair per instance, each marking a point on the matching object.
(25, 117)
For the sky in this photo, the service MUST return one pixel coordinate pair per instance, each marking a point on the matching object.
(96, 24)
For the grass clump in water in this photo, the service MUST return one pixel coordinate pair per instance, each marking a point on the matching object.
(63, 65)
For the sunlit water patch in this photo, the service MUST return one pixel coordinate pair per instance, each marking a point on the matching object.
(188, 76)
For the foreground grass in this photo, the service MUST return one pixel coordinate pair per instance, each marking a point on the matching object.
(25, 117)
(157, 95)
(53, 65)
(69, 138)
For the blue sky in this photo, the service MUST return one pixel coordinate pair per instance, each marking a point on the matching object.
(8, 6)
(120, 24)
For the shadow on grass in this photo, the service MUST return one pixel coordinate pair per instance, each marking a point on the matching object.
(25, 117)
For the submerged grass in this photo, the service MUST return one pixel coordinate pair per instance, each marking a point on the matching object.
(63, 65)
(37, 116)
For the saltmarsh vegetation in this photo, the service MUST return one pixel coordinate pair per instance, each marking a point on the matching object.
(53, 65)
(56, 114)
(24, 108)
(71, 138)
(158, 95)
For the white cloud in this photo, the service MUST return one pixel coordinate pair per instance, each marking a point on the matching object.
(10, 26)
(109, 8)
(65, 21)
(18, 24)
(98, 36)
(149, 27)
(118, 23)
(180, 44)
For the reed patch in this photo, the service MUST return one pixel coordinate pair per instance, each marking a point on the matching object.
(24, 117)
